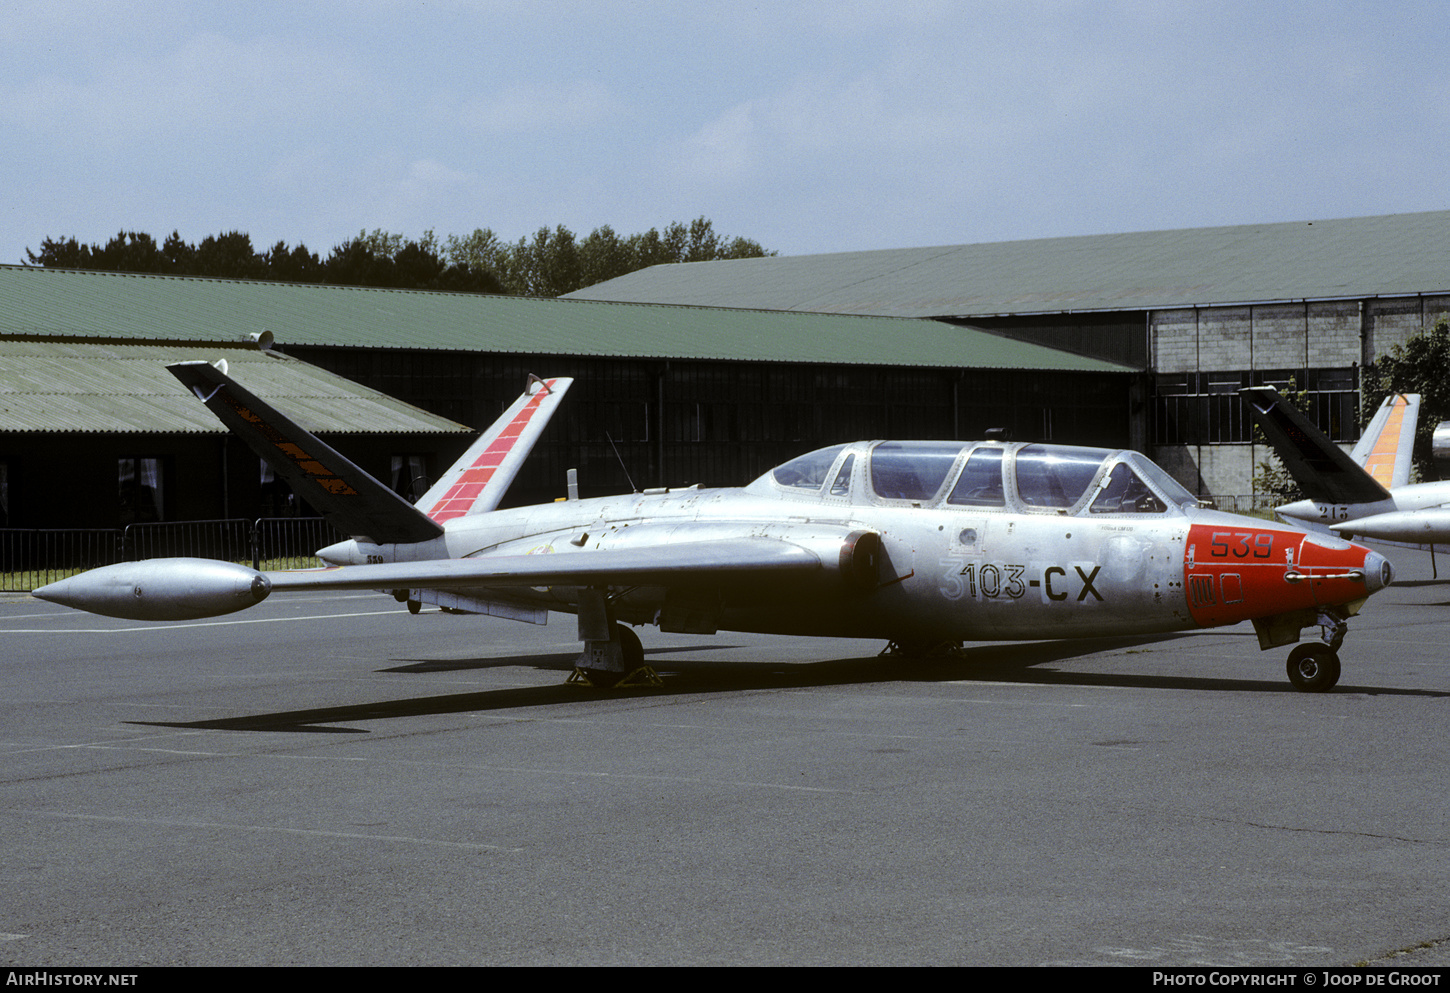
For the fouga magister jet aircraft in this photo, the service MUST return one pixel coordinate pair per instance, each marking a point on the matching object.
(923, 544)
(1366, 492)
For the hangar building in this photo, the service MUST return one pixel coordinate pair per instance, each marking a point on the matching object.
(95, 433)
(1204, 311)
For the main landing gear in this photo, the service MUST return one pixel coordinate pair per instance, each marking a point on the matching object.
(613, 657)
(1314, 666)
(614, 664)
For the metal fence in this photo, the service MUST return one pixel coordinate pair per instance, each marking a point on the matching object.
(32, 558)
(1256, 504)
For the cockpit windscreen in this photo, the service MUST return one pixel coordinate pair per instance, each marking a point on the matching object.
(902, 470)
(1055, 475)
(980, 484)
(809, 471)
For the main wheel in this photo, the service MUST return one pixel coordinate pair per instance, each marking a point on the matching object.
(631, 657)
(629, 647)
(1313, 668)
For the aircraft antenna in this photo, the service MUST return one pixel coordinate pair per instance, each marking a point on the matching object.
(627, 476)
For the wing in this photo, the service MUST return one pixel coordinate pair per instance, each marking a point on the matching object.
(185, 589)
(664, 565)
(1321, 468)
(350, 499)
(1386, 448)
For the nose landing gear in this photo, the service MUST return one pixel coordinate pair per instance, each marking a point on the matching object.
(1313, 667)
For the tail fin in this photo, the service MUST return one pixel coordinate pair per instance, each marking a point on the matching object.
(477, 482)
(351, 500)
(1387, 445)
(1320, 467)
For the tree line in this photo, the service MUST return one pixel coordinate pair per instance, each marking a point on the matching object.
(551, 263)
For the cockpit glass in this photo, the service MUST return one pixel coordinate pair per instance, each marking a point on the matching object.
(907, 471)
(809, 471)
(1166, 484)
(980, 484)
(1056, 476)
(1125, 493)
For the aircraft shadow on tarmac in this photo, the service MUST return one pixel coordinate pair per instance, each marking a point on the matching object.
(1001, 663)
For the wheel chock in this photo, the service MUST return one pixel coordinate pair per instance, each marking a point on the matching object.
(643, 677)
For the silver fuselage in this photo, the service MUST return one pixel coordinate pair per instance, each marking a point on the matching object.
(946, 571)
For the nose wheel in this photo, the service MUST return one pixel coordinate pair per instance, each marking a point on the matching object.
(1313, 667)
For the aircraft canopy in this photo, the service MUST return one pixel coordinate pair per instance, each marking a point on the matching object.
(1019, 477)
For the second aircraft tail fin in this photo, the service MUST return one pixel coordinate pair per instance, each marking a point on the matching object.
(1387, 446)
(1321, 468)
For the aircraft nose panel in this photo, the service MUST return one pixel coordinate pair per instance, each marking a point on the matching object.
(1237, 573)
(1378, 572)
(1340, 572)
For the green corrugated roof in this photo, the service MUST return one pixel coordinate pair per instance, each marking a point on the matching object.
(94, 387)
(1394, 255)
(58, 302)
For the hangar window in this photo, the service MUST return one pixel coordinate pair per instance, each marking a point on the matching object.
(410, 476)
(141, 490)
(620, 420)
(1196, 408)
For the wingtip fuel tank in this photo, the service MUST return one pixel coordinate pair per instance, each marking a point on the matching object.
(1416, 526)
(179, 589)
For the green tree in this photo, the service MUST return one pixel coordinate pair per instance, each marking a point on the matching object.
(57, 253)
(227, 256)
(483, 252)
(379, 258)
(1421, 364)
(554, 261)
(549, 264)
(180, 256)
(293, 265)
(129, 251)
(604, 255)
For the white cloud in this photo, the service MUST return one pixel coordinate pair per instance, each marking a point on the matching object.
(206, 86)
(537, 108)
(724, 149)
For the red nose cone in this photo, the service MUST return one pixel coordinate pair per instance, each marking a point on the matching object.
(1237, 573)
(1339, 571)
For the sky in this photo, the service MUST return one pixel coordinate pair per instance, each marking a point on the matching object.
(807, 126)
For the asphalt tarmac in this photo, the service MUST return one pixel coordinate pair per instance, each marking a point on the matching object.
(327, 780)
